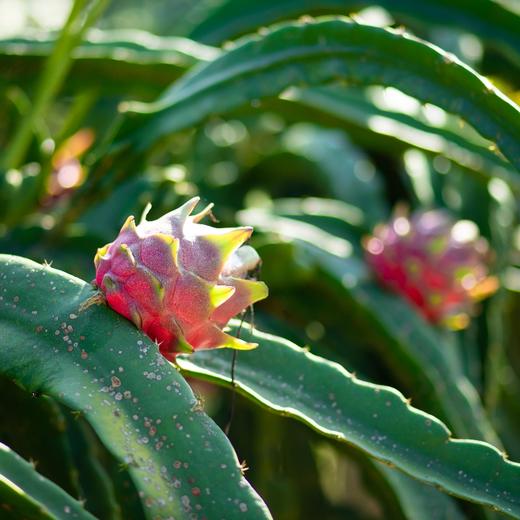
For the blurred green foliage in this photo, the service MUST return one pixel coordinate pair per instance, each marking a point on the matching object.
(312, 133)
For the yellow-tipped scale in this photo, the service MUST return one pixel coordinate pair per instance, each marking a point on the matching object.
(227, 240)
(219, 294)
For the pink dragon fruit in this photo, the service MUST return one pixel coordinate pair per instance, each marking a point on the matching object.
(438, 264)
(180, 281)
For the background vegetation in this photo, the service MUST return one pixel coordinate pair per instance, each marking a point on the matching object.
(311, 127)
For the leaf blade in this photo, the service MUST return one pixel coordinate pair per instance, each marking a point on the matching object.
(346, 105)
(128, 62)
(29, 493)
(96, 363)
(403, 337)
(488, 20)
(374, 418)
(318, 52)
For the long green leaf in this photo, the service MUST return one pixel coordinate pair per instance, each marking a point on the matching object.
(128, 62)
(409, 344)
(145, 64)
(98, 364)
(402, 496)
(317, 52)
(83, 14)
(377, 419)
(97, 490)
(353, 107)
(417, 500)
(488, 19)
(24, 493)
(19, 412)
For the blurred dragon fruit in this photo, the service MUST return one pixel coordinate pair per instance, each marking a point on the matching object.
(438, 264)
(180, 281)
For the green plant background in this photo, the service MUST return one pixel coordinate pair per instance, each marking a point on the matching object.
(309, 121)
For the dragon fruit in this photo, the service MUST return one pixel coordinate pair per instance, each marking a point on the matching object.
(436, 263)
(180, 281)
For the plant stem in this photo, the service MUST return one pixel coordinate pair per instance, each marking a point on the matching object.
(52, 77)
